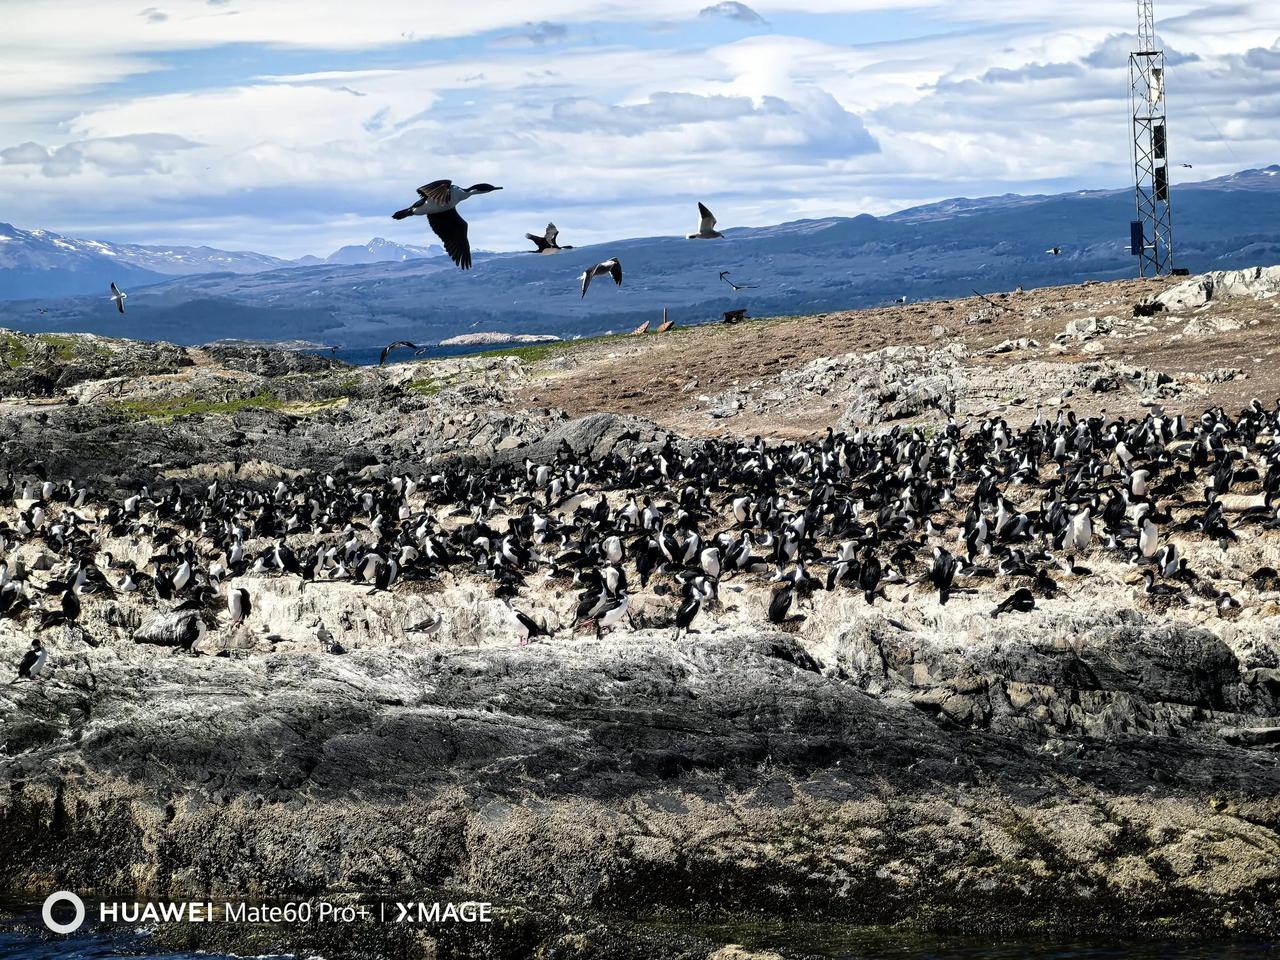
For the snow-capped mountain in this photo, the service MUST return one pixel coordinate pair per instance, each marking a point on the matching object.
(377, 250)
(39, 263)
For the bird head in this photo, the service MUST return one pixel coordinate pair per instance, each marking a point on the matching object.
(482, 188)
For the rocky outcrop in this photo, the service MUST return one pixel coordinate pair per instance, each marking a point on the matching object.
(1255, 283)
(46, 364)
(493, 337)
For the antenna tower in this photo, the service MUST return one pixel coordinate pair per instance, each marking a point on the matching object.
(1151, 233)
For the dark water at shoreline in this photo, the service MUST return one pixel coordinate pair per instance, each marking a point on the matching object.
(22, 937)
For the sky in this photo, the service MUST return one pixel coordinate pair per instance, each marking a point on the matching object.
(293, 127)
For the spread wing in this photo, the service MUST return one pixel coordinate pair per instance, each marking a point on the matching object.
(452, 230)
(586, 279)
(551, 234)
(708, 222)
(615, 271)
(437, 191)
(382, 357)
(539, 242)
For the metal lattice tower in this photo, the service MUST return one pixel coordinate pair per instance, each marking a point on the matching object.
(1151, 234)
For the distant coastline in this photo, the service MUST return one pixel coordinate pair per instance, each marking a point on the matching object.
(490, 337)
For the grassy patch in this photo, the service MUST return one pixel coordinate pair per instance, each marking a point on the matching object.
(167, 408)
(428, 387)
(13, 352)
(64, 348)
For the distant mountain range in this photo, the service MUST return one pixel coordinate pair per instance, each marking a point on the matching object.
(37, 263)
(382, 291)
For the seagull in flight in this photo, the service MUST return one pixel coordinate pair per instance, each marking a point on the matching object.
(386, 351)
(706, 226)
(547, 242)
(119, 296)
(724, 275)
(612, 266)
(438, 202)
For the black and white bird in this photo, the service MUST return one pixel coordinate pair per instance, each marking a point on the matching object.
(612, 267)
(1054, 251)
(706, 226)
(526, 627)
(438, 202)
(238, 605)
(724, 275)
(547, 243)
(32, 663)
(119, 296)
(613, 613)
(386, 351)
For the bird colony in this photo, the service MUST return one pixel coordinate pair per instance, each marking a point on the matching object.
(667, 538)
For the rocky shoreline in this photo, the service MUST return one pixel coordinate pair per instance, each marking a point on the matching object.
(1098, 765)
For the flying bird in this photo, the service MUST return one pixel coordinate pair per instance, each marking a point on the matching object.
(1187, 165)
(724, 275)
(438, 202)
(547, 242)
(386, 351)
(706, 226)
(119, 296)
(612, 266)
(1055, 251)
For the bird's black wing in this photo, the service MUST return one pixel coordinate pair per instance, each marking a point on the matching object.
(539, 242)
(386, 351)
(452, 230)
(616, 272)
(438, 191)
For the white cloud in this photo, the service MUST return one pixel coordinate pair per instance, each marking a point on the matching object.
(614, 137)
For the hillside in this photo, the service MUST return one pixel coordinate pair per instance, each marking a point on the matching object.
(1101, 762)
